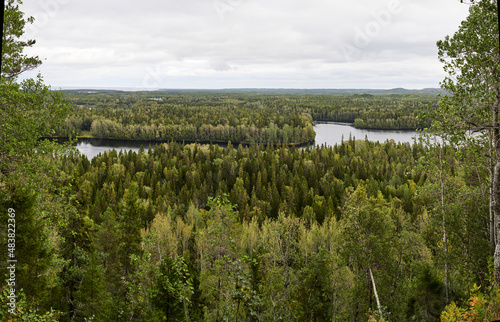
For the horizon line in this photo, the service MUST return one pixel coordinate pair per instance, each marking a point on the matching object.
(124, 88)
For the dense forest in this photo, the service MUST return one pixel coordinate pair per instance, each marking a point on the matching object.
(239, 117)
(262, 231)
(268, 233)
(259, 233)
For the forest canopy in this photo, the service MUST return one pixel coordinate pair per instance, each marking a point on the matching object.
(239, 117)
(252, 232)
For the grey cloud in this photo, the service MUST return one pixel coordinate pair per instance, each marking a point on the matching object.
(220, 65)
(249, 43)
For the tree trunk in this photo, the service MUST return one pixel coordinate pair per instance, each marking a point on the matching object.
(496, 186)
(496, 211)
(443, 223)
(184, 302)
(375, 291)
(491, 171)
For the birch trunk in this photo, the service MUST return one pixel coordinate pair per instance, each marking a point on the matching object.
(496, 211)
(445, 236)
(375, 291)
(491, 171)
(496, 186)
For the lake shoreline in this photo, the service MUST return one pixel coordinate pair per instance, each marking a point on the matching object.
(328, 134)
(365, 128)
(183, 141)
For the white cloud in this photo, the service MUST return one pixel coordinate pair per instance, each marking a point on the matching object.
(242, 43)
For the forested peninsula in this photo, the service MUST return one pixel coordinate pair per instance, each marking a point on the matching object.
(240, 117)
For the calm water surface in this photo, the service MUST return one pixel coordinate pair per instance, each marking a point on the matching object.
(330, 134)
(327, 134)
(92, 147)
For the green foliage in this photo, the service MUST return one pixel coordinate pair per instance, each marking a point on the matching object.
(471, 59)
(250, 254)
(314, 293)
(255, 233)
(222, 117)
(24, 309)
(379, 238)
(31, 241)
(29, 111)
(478, 307)
(174, 288)
(244, 294)
(14, 62)
(31, 181)
(426, 300)
(216, 263)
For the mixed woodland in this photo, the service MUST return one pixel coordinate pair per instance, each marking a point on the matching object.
(270, 233)
(261, 230)
(239, 117)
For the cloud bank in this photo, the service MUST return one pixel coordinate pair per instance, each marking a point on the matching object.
(241, 43)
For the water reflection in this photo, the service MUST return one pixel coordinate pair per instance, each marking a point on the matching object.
(92, 147)
(330, 134)
(327, 134)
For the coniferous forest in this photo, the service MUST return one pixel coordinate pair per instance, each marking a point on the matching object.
(241, 117)
(263, 229)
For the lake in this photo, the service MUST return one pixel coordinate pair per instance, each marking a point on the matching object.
(92, 147)
(327, 133)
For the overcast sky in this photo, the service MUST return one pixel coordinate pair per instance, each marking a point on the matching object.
(241, 43)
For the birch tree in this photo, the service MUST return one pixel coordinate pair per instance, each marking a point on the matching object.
(471, 59)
